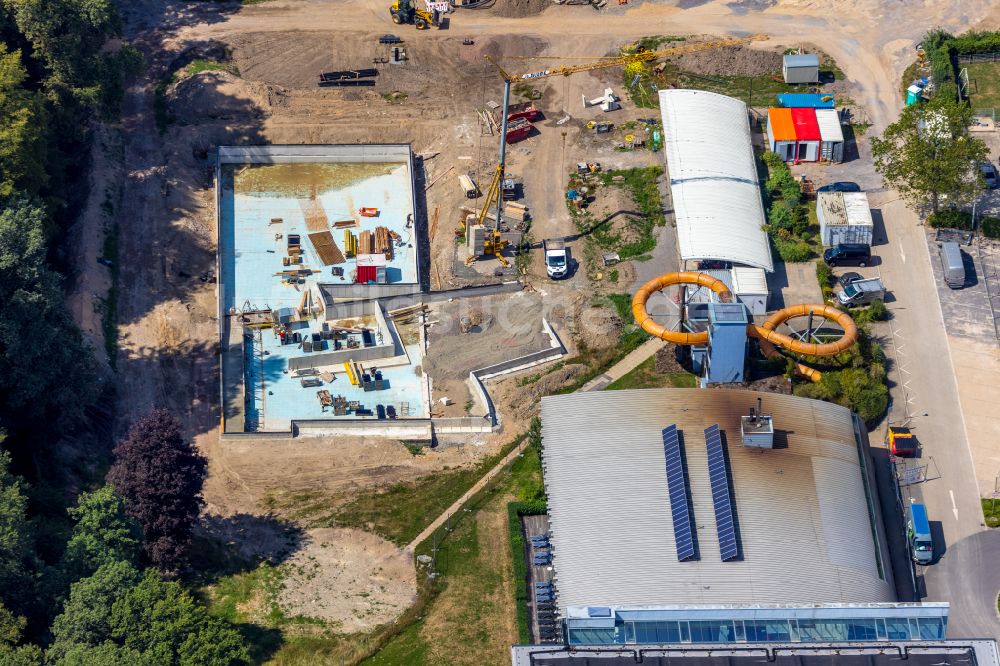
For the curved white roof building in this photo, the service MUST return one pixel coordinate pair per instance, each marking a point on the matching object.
(713, 178)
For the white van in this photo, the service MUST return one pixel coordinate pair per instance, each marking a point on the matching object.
(952, 266)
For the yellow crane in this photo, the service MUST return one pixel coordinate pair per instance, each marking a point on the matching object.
(626, 60)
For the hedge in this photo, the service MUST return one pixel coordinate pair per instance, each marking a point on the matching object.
(514, 512)
(950, 219)
(990, 226)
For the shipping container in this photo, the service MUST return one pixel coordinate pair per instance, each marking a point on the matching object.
(844, 217)
(831, 135)
(800, 68)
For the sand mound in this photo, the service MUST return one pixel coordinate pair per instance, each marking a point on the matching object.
(734, 61)
(216, 95)
(351, 577)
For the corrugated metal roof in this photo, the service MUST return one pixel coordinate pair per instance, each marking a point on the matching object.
(801, 60)
(780, 121)
(844, 208)
(802, 513)
(806, 128)
(749, 281)
(858, 210)
(713, 178)
(829, 125)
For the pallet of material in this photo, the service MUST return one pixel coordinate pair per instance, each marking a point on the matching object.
(383, 242)
(344, 224)
(347, 83)
(366, 244)
(326, 248)
(316, 219)
(350, 243)
(518, 214)
(345, 74)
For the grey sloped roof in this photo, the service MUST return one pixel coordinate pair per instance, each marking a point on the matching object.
(801, 60)
(803, 518)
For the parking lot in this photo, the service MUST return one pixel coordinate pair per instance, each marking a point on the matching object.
(543, 613)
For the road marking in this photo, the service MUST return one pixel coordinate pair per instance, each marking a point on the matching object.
(954, 509)
(902, 254)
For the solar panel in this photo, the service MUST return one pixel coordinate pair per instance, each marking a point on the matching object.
(677, 489)
(721, 498)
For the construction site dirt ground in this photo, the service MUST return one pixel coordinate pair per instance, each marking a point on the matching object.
(152, 172)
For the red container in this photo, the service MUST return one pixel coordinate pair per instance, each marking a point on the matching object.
(366, 274)
(518, 130)
(524, 110)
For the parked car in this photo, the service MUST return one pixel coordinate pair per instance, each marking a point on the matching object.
(543, 558)
(536, 537)
(713, 264)
(543, 597)
(848, 277)
(952, 265)
(861, 292)
(841, 186)
(990, 175)
(848, 254)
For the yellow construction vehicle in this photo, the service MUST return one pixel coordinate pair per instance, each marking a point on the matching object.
(405, 11)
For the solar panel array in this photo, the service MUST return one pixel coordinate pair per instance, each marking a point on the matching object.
(721, 497)
(677, 489)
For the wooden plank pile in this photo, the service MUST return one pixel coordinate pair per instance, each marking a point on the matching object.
(350, 243)
(326, 248)
(408, 313)
(383, 242)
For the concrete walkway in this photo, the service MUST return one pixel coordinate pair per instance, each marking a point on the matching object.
(618, 370)
(626, 365)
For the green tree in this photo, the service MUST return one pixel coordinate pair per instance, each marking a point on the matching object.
(22, 126)
(16, 547)
(48, 374)
(117, 617)
(12, 654)
(103, 534)
(928, 156)
(87, 614)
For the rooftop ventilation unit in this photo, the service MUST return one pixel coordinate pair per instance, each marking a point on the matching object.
(757, 430)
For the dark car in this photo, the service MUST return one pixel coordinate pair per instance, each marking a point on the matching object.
(842, 186)
(713, 264)
(849, 277)
(543, 558)
(848, 254)
(990, 175)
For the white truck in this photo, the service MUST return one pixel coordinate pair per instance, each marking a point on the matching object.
(861, 292)
(556, 258)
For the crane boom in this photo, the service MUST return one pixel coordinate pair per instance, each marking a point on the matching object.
(627, 58)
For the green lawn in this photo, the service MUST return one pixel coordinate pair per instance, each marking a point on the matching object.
(397, 513)
(646, 376)
(984, 85)
(991, 512)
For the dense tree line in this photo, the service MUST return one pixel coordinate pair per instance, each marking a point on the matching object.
(109, 610)
(95, 583)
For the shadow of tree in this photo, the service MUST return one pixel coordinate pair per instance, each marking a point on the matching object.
(227, 545)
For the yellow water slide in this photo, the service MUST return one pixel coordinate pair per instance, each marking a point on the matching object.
(769, 338)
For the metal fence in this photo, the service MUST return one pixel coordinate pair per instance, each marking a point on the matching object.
(978, 57)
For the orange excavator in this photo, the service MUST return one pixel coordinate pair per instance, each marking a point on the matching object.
(767, 335)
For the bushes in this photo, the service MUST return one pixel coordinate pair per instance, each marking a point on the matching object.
(950, 218)
(824, 275)
(862, 390)
(787, 219)
(514, 512)
(990, 226)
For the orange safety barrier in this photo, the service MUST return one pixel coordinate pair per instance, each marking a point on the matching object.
(769, 338)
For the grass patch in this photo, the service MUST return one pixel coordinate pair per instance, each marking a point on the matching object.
(161, 111)
(394, 97)
(199, 66)
(984, 84)
(467, 612)
(109, 304)
(909, 76)
(991, 512)
(397, 513)
(791, 220)
(645, 376)
(602, 235)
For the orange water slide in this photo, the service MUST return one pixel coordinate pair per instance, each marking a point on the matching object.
(769, 338)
